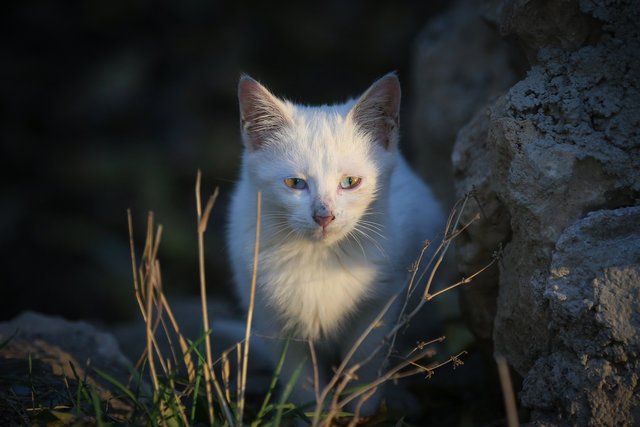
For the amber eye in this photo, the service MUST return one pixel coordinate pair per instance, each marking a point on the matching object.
(349, 182)
(296, 183)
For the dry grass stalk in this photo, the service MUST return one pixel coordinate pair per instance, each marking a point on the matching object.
(245, 357)
(507, 392)
(210, 376)
(151, 300)
(238, 367)
(191, 372)
(150, 337)
(226, 371)
(147, 293)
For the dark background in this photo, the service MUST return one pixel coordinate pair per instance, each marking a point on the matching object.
(116, 105)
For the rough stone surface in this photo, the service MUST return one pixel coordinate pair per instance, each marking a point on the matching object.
(472, 160)
(58, 341)
(555, 163)
(590, 374)
(54, 344)
(460, 63)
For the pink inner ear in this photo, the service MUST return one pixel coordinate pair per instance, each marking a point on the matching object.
(378, 110)
(260, 113)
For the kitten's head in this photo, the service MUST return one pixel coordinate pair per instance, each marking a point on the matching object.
(320, 169)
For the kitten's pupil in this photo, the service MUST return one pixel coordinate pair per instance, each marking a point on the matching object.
(349, 182)
(296, 183)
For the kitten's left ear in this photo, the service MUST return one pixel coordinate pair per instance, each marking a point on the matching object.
(377, 112)
(262, 115)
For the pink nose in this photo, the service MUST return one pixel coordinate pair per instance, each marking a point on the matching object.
(323, 221)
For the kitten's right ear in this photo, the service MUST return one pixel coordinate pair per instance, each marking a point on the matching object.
(261, 113)
(377, 111)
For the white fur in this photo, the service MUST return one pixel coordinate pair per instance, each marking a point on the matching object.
(325, 284)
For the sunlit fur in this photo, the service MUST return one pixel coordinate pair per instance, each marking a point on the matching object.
(324, 283)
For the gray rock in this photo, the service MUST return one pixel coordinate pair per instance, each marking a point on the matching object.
(79, 342)
(53, 344)
(590, 374)
(565, 142)
(555, 163)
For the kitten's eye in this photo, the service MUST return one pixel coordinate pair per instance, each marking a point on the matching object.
(296, 183)
(349, 182)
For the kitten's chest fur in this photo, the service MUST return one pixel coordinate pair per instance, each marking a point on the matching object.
(312, 289)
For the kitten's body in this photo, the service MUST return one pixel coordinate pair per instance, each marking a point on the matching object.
(330, 258)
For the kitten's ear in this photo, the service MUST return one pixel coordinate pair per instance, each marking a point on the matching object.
(261, 113)
(377, 112)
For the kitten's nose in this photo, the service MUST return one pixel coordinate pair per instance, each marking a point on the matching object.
(323, 221)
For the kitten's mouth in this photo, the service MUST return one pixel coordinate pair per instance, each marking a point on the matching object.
(321, 233)
(327, 234)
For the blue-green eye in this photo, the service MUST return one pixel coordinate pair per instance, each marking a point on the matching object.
(349, 182)
(296, 183)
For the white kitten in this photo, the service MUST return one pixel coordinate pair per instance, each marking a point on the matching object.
(343, 217)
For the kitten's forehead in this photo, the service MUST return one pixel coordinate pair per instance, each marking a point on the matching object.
(327, 142)
(327, 129)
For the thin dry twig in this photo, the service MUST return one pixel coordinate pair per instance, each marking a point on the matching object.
(403, 319)
(395, 373)
(348, 356)
(316, 375)
(356, 412)
(466, 280)
(448, 241)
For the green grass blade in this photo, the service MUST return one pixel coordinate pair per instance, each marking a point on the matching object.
(274, 380)
(79, 391)
(4, 343)
(196, 390)
(82, 389)
(171, 418)
(126, 391)
(287, 392)
(34, 393)
(95, 399)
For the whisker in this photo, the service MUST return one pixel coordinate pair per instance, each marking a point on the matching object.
(373, 241)
(351, 234)
(373, 226)
(373, 230)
